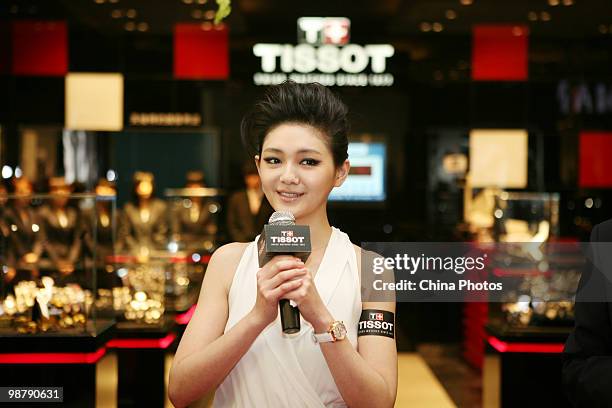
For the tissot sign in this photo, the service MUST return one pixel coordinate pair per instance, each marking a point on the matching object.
(324, 55)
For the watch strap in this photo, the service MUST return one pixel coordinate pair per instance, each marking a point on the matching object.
(325, 337)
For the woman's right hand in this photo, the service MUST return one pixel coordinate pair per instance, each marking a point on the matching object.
(275, 279)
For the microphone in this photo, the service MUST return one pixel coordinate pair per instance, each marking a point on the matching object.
(282, 237)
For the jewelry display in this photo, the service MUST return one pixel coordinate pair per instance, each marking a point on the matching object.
(47, 308)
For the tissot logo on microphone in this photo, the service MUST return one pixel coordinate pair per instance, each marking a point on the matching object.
(287, 237)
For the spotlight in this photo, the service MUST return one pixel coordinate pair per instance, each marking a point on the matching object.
(7, 172)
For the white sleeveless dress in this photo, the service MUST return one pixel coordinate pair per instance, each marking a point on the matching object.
(282, 370)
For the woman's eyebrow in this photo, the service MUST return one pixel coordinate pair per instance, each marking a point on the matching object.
(309, 151)
(272, 149)
(275, 150)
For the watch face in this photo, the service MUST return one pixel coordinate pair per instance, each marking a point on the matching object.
(339, 331)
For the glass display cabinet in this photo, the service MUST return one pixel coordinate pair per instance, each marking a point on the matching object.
(52, 252)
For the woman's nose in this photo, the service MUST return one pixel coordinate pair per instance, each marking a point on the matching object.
(289, 175)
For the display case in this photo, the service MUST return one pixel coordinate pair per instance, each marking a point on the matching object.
(526, 217)
(539, 269)
(194, 235)
(51, 253)
(547, 270)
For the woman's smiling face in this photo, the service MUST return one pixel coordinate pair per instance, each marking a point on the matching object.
(297, 169)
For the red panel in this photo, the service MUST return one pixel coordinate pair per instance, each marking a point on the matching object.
(504, 347)
(595, 165)
(52, 358)
(162, 343)
(499, 52)
(201, 51)
(40, 48)
(184, 318)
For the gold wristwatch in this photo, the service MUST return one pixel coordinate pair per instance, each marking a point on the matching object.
(336, 331)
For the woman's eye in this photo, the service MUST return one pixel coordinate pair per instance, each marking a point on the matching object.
(310, 162)
(271, 160)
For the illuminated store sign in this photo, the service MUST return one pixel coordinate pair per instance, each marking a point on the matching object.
(324, 55)
(165, 119)
(584, 99)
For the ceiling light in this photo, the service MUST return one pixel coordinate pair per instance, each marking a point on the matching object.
(425, 27)
(131, 13)
(568, 2)
(545, 16)
(603, 28)
(201, 1)
(142, 27)
(99, 1)
(210, 14)
(130, 26)
(116, 13)
(187, 1)
(437, 27)
(553, 2)
(532, 16)
(466, 2)
(113, 1)
(451, 14)
(196, 13)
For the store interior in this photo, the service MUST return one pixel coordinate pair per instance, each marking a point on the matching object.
(123, 170)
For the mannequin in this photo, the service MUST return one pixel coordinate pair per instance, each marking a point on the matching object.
(25, 240)
(144, 224)
(193, 225)
(106, 223)
(62, 227)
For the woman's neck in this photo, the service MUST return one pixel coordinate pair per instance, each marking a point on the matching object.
(320, 230)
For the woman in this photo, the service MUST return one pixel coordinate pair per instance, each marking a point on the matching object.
(234, 342)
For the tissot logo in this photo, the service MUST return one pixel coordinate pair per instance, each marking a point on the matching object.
(376, 316)
(324, 30)
(287, 240)
(324, 55)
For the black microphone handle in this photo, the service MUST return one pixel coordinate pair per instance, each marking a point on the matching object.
(290, 317)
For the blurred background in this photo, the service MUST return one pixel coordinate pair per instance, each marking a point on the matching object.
(122, 167)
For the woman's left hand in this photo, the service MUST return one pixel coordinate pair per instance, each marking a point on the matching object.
(311, 306)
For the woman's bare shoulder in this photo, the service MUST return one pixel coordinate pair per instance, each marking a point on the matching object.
(225, 260)
(230, 252)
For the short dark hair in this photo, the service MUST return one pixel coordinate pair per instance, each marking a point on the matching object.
(289, 102)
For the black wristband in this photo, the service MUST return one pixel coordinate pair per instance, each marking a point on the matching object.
(375, 322)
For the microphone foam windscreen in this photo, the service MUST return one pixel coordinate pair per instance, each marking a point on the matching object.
(282, 218)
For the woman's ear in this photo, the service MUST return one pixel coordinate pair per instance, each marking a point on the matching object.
(257, 160)
(342, 173)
